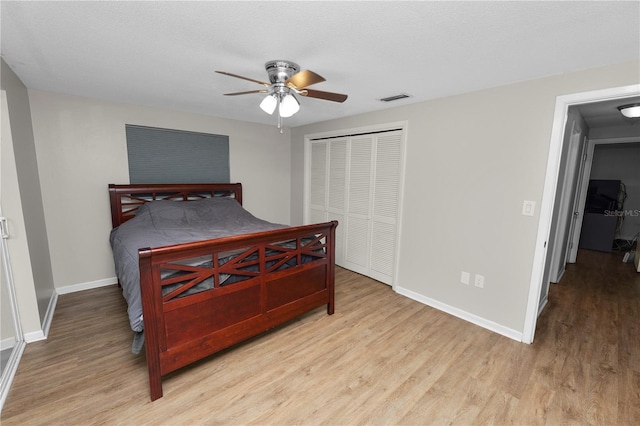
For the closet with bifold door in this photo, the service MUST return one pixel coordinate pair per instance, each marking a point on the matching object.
(356, 179)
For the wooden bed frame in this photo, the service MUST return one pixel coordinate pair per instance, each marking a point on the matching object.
(181, 330)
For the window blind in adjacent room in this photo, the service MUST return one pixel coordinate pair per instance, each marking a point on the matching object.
(175, 156)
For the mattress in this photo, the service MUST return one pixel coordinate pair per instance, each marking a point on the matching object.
(164, 223)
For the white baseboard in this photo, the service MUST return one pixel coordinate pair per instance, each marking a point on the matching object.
(10, 371)
(7, 343)
(560, 275)
(543, 304)
(48, 318)
(37, 335)
(86, 286)
(472, 318)
(34, 336)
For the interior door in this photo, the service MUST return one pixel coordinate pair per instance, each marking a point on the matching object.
(567, 188)
(358, 220)
(385, 205)
(578, 205)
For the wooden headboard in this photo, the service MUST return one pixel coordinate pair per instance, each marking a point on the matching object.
(125, 199)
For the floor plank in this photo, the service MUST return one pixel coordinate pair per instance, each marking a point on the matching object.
(381, 359)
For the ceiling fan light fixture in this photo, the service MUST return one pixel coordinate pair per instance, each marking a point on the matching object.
(269, 104)
(285, 80)
(630, 110)
(289, 105)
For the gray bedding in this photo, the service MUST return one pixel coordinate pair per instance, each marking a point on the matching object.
(163, 223)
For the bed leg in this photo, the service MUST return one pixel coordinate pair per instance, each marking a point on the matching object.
(331, 272)
(153, 363)
(152, 310)
(155, 383)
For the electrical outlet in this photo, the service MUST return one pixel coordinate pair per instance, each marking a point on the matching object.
(479, 281)
(465, 277)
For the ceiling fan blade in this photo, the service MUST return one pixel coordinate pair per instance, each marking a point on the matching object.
(327, 96)
(246, 93)
(303, 79)
(244, 78)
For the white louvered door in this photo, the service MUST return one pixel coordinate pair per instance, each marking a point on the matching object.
(358, 180)
(318, 183)
(386, 197)
(337, 191)
(357, 226)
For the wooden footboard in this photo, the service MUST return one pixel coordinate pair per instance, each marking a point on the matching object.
(199, 298)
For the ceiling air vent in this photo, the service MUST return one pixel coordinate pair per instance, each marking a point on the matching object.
(395, 97)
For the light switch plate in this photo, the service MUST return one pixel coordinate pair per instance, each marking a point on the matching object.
(528, 208)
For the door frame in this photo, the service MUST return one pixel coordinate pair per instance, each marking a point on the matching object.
(549, 191)
(579, 199)
(567, 203)
(583, 182)
(403, 126)
(19, 344)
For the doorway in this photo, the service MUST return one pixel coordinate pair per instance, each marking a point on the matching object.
(591, 129)
(538, 288)
(612, 162)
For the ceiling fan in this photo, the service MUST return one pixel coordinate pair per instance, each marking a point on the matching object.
(285, 81)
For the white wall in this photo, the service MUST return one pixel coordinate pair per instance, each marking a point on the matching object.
(614, 132)
(81, 148)
(621, 162)
(22, 205)
(19, 264)
(7, 329)
(472, 160)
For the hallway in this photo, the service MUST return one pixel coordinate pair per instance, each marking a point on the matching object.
(593, 322)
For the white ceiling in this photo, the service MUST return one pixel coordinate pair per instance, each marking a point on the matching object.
(606, 114)
(164, 54)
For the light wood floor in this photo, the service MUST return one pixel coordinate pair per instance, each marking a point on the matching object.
(381, 359)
